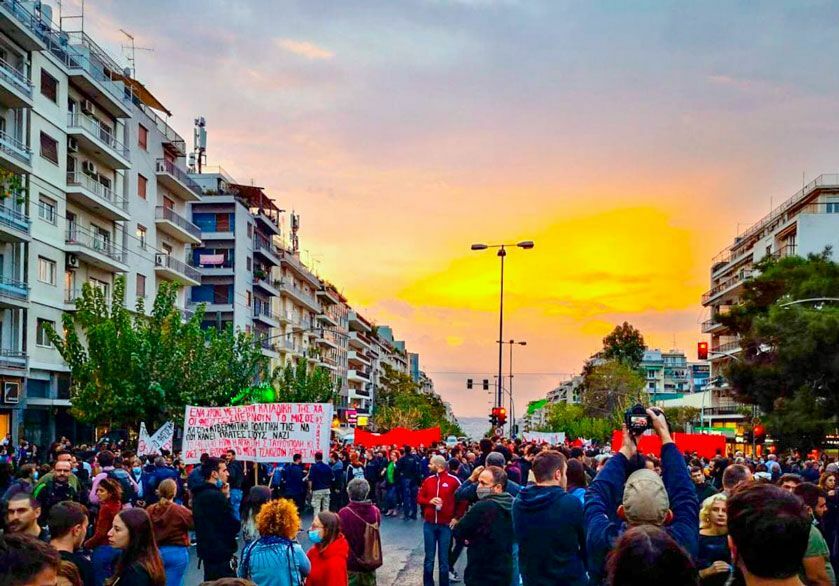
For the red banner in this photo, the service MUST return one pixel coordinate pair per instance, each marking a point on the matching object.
(704, 445)
(398, 436)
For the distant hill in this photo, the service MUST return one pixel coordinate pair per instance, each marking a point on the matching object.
(474, 427)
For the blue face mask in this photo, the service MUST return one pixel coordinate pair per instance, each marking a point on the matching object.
(35, 475)
(137, 470)
(219, 483)
(315, 536)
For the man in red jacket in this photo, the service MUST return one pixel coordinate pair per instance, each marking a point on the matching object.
(440, 511)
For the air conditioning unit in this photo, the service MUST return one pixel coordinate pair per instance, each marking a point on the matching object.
(72, 145)
(88, 107)
(72, 261)
(89, 168)
(161, 259)
(161, 167)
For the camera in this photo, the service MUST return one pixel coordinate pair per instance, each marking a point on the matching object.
(636, 419)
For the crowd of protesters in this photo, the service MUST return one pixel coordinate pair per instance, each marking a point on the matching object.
(525, 514)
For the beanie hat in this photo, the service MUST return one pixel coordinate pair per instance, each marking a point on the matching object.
(645, 499)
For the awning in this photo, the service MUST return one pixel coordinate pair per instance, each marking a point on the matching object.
(142, 93)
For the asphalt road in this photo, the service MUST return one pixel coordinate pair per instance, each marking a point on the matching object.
(401, 544)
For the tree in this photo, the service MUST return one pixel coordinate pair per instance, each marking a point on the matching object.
(571, 419)
(624, 344)
(400, 402)
(127, 367)
(610, 388)
(679, 417)
(789, 363)
(298, 383)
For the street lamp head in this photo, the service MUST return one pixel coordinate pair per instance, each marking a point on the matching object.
(479, 247)
(526, 244)
(523, 343)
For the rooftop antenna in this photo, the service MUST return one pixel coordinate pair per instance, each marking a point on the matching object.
(132, 52)
(198, 156)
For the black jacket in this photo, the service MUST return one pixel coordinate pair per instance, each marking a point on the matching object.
(235, 474)
(215, 526)
(487, 529)
(408, 467)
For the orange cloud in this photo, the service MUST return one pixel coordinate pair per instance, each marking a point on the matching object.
(304, 49)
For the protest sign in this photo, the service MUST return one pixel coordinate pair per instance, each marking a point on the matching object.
(543, 437)
(161, 440)
(264, 432)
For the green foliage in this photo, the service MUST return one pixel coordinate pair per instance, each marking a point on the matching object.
(624, 344)
(400, 402)
(610, 388)
(300, 383)
(572, 420)
(789, 364)
(128, 367)
(679, 417)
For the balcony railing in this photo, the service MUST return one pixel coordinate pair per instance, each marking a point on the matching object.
(13, 289)
(14, 219)
(98, 130)
(12, 358)
(290, 286)
(95, 242)
(180, 267)
(15, 77)
(262, 243)
(164, 213)
(164, 166)
(784, 251)
(261, 308)
(727, 284)
(95, 187)
(15, 148)
(726, 347)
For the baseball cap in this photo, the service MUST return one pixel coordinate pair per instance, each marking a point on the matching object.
(645, 499)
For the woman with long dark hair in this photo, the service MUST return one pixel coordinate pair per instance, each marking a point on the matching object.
(648, 555)
(140, 563)
(257, 497)
(329, 553)
(577, 481)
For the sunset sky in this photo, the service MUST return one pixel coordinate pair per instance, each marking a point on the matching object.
(629, 140)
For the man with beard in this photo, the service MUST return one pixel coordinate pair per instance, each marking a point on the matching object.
(22, 514)
(55, 490)
(68, 528)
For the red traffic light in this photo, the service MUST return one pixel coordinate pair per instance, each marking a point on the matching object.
(702, 350)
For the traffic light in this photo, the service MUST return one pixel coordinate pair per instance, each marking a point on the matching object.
(468, 383)
(702, 350)
(486, 384)
(493, 417)
(748, 437)
(502, 416)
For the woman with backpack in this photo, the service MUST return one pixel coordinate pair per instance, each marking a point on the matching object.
(109, 495)
(276, 559)
(360, 523)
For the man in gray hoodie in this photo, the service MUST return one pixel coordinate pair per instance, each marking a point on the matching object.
(487, 529)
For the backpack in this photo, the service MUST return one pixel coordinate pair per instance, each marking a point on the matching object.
(121, 476)
(371, 559)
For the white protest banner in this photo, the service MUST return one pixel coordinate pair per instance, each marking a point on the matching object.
(543, 437)
(161, 440)
(264, 432)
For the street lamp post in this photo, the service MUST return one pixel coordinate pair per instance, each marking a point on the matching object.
(502, 253)
(512, 405)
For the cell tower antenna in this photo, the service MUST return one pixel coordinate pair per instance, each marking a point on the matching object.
(198, 157)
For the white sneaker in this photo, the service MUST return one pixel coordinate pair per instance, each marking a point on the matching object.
(453, 577)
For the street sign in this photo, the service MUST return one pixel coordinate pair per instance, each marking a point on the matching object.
(352, 416)
(499, 431)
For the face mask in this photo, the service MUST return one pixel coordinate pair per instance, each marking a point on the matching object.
(315, 536)
(35, 475)
(137, 470)
(219, 483)
(483, 491)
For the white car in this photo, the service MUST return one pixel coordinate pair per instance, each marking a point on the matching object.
(451, 441)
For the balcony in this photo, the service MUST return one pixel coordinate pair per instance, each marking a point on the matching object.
(292, 260)
(328, 296)
(217, 265)
(15, 88)
(92, 195)
(15, 226)
(710, 326)
(168, 267)
(724, 348)
(262, 312)
(357, 357)
(325, 317)
(19, 21)
(87, 65)
(13, 359)
(358, 323)
(177, 181)
(14, 155)
(172, 141)
(264, 284)
(299, 294)
(98, 139)
(358, 340)
(13, 294)
(358, 393)
(170, 222)
(727, 285)
(266, 249)
(266, 221)
(784, 251)
(269, 348)
(96, 249)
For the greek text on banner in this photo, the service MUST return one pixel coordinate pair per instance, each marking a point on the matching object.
(264, 432)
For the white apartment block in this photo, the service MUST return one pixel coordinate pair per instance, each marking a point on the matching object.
(567, 391)
(666, 374)
(806, 223)
(104, 193)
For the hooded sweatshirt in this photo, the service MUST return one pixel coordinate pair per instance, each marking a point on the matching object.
(215, 526)
(329, 565)
(487, 529)
(548, 526)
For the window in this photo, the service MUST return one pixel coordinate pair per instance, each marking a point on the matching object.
(143, 138)
(49, 86)
(46, 209)
(141, 285)
(249, 264)
(49, 148)
(141, 235)
(102, 286)
(46, 270)
(41, 338)
(142, 182)
(248, 298)
(168, 203)
(832, 206)
(250, 230)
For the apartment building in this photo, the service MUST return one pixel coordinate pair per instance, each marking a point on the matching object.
(666, 374)
(360, 356)
(298, 307)
(96, 188)
(805, 223)
(567, 391)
